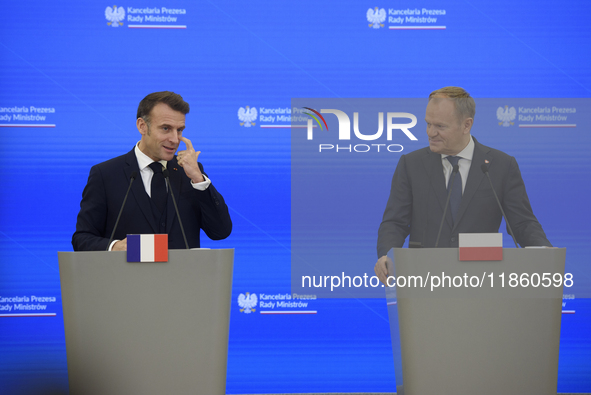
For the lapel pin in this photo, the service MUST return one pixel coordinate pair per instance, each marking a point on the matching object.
(485, 161)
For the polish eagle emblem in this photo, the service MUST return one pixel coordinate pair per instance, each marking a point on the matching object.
(247, 116)
(247, 302)
(506, 115)
(115, 15)
(376, 17)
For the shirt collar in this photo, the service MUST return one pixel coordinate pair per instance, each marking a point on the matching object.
(144, 160)
(466, 153)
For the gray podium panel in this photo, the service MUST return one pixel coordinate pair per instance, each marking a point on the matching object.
(483, 340)
(147, 328)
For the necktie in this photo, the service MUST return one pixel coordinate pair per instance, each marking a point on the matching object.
(456, 193)
(158, 187)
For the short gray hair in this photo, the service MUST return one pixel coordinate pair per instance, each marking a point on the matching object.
(465, 105)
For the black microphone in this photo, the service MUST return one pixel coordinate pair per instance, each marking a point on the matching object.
(455, 170)
(133, 176)
(165, 174)
(484, 169)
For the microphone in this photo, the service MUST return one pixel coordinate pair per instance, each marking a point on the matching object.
(165, 174)
(133, 176)
(484, 169)
(455, 170)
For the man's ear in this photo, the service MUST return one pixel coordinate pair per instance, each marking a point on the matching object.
(467, 125)
(142, 126)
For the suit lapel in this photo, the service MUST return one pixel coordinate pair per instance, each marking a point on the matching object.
(432, 162)
(475, 177)
(175, 179)
(138, 191)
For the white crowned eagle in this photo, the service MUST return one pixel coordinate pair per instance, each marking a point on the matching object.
(247, 116)
(115, 15)
(375, 17)
(506, 115)
(247, 302)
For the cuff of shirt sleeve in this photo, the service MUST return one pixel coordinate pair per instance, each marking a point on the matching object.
(112, 244)
(203, 185)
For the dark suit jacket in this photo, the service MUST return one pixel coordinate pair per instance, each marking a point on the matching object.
(418, 196)
(103, 196)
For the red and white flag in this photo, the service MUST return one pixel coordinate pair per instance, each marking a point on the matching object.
(481, 246)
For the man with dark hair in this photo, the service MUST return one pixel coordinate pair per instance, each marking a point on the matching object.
(171, 99)
(422, 178)
(150, 209)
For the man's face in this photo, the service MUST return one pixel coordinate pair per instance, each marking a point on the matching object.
(161, 139)
(447, 135)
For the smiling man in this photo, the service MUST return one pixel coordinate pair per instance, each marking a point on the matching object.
(422, 178)
(149, 208)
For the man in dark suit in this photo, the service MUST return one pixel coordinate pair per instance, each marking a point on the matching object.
(149, 208)
(422, 178)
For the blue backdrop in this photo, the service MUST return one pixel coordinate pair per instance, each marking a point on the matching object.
(71, 81)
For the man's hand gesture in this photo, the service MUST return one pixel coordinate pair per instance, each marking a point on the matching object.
(187, 159)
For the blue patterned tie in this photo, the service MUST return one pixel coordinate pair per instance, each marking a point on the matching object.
(456, 193)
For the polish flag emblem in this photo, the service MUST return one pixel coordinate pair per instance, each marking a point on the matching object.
(481, 246)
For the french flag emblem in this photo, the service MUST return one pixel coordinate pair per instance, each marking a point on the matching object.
(481, 246)
(147, 248)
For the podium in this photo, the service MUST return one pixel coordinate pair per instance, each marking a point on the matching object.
(147, 328)
(491, 337)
